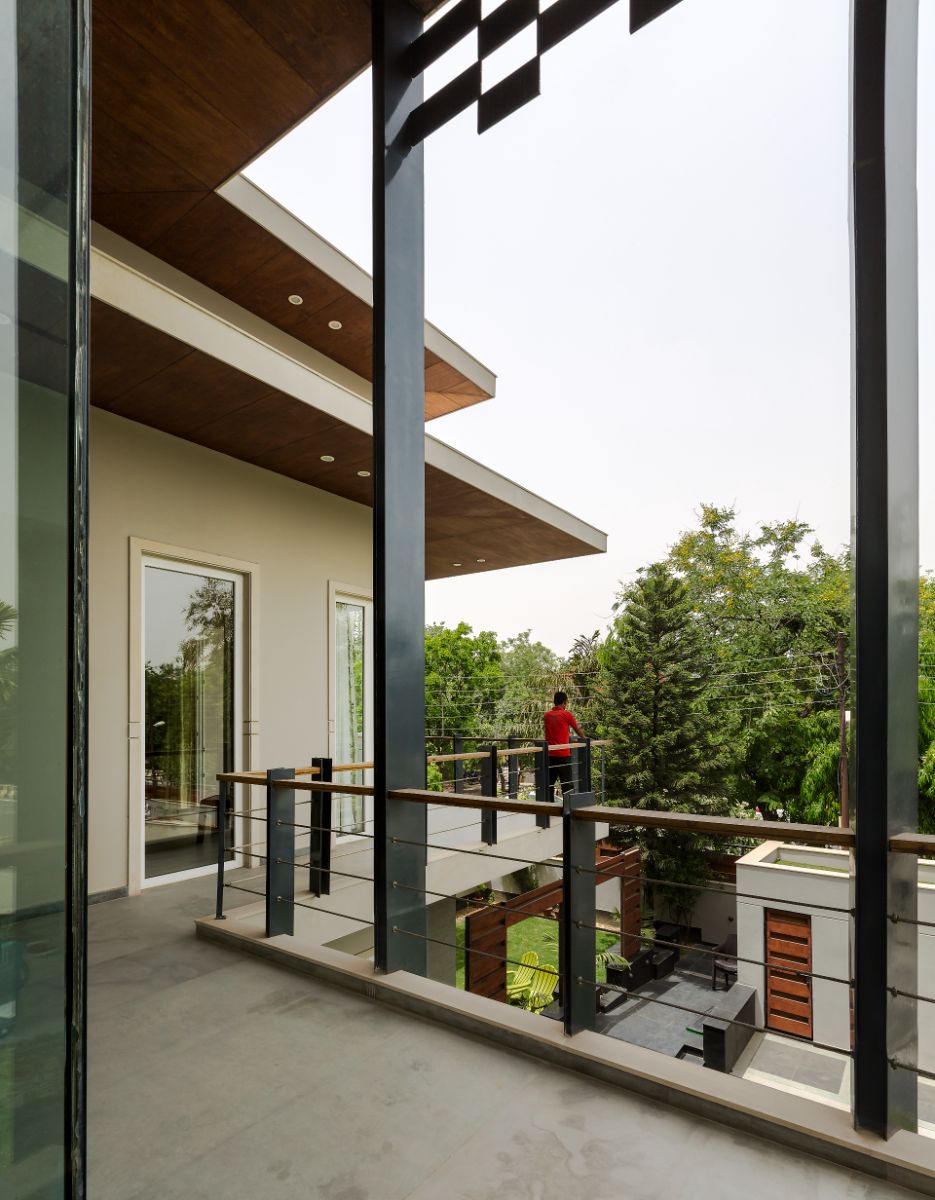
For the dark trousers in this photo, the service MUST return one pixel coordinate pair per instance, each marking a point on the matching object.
(560, 772)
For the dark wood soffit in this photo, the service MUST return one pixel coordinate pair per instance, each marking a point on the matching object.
(144, 375)
(218, 245)
(186, 93)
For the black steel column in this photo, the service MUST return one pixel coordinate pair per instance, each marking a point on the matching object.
(457, 744)
(885, 512)
(399, 490)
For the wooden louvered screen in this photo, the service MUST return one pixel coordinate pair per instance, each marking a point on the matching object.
(788, 995)
(484, 952)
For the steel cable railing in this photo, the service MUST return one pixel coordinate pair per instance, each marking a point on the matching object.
(572, 909)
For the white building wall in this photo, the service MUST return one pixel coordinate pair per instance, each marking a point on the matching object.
(148, 485)
(800, 890)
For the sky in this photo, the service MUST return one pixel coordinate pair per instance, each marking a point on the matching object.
(653, 256)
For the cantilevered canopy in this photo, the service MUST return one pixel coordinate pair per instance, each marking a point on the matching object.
(147, 375)
(185, 95)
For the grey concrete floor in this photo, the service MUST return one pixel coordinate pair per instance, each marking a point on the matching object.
(215, 1075)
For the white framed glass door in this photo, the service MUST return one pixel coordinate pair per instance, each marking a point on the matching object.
(192, 626)
(352, 704)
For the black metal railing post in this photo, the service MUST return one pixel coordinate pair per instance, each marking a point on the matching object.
(488, 787)
(543, 796)
(578, 917)
(457, 744)
(280, 842)
(322, 810)
(585, 781)
(222, 848)
(512, 770)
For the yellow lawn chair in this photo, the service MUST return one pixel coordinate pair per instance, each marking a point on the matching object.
(542, 987)
(522, 976)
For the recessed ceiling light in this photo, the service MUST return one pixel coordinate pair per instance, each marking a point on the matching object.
(480, 560)
(335, 325)
(364, 474)
(456, 564)
(327, 458)
(293, 299)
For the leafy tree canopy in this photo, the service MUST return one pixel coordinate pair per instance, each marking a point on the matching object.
(463, 679)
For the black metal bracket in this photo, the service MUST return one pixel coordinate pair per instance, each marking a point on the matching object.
(513, 768)
(322, 809)
(222, 848)
(543, 791)
(579, 916)
(488, 787)
(280, 840)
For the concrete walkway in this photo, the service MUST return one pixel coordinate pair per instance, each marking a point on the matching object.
(214, 1075)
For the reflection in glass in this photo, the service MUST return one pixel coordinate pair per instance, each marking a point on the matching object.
(41, 427)
(188, 713)
(350, 725)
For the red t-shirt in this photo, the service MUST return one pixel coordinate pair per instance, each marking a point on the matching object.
(557, 723)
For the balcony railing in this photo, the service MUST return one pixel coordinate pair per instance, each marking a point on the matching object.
(299, 833)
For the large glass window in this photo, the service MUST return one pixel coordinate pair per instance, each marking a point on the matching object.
(192, 656)
(42, 427)
(353, 705)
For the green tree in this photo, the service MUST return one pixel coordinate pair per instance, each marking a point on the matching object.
(463, 681)
(584, 665)
(772, 607)
(669, 748)
(532, 674)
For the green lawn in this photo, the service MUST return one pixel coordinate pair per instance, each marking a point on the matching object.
(534, 934)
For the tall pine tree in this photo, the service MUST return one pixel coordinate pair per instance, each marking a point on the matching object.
(669, 750)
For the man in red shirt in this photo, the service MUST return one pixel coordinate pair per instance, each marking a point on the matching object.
(558, 723)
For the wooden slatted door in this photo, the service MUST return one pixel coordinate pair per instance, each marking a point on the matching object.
(788, 995)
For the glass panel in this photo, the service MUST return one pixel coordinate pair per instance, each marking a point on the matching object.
(350, 724)
(40, 426)
(188, 714)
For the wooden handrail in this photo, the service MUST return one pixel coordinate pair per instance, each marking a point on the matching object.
(913, 843)
(483, 803)
(257, 776)
(764, 831)
(511, 752)
(342, 768)
(317, 785)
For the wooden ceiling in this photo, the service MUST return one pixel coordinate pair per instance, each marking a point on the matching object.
(144, 375)
(186, 93)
